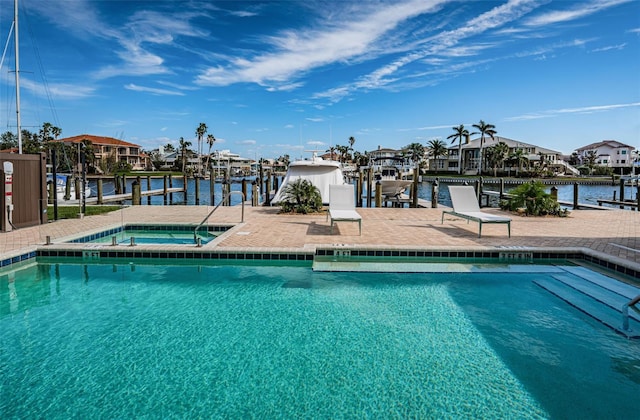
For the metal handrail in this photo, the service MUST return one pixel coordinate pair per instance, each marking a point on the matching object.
(225, 198)
(625, 312)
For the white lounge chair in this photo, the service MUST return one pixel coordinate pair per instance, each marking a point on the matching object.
(342, 205)
(465, 205)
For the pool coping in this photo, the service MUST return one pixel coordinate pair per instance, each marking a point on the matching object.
(511, 255)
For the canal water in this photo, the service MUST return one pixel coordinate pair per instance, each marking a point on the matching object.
(587, 194)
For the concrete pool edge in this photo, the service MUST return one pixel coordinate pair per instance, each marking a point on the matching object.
(503, 255)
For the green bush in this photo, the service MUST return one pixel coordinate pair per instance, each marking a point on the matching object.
(301, 196)
(534, 200)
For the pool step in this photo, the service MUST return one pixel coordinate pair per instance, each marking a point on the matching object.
(596, 295)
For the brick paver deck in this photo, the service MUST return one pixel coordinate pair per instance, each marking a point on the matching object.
(615, 234)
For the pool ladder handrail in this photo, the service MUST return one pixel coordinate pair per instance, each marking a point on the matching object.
(224, 199)
(625, 311)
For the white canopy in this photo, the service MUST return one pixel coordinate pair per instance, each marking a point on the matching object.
(319, 172)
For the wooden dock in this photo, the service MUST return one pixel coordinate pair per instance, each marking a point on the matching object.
(117, 198)
(622, 204)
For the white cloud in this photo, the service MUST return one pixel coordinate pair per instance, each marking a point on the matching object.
(292, 53)
(576, 11)
(57, 90)
(580, 110)
(151, 90)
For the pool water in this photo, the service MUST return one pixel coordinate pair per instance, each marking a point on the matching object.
(237, 341)
(157, 236)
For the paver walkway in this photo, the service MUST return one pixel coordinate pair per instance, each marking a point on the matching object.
(613, 233)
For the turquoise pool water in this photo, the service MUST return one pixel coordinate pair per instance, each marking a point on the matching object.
(157, 236)
(239, 341)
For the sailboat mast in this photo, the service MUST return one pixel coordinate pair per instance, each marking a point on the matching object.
(17, 68)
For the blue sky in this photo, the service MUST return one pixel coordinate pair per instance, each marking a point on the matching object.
(278, 77)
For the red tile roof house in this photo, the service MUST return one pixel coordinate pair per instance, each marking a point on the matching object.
(107, 146)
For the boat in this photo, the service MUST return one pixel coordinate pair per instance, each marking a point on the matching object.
(321, 173)
(392, 183)
(61, 187)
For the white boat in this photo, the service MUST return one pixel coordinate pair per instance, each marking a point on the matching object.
(321, 173)
(391, 183)
(61, 187)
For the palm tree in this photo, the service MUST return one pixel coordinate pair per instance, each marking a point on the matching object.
(184, 146)
(352, 140)
(200, 132)
(518, 157)
(496, 155)
(484, 129)
(210, 141)
(415, 153)
(437, 148)
(459, 133)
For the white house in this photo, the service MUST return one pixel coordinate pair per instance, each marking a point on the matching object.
(610, 153)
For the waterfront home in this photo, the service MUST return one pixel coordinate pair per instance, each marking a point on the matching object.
(610, 154)
(108, 147)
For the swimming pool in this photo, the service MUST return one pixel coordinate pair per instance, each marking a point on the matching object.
(271, 340)
(175, 234)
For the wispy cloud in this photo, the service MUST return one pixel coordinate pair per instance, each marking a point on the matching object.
(292, 53)
(580, 110)
(57, 90)
(610, 47)
(575, 11)
(154, 91)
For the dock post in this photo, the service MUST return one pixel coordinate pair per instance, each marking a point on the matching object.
(414, 188)
(212, 187)
(638, 197)
(267, 193)
(185, 180)
(124, 184)
(554, 194)
(378, 194)
(369, 186)
(149, 189)
(261, 174)
(244, 188)
(170, 186)
(479, 189)
(434, 194)
(116, 184)
(196, 180)
(360, 184)
(502, 189)
(575, 196)
(254, 194)
(135, 193)
(100, 191)
(275, 182)
(622, 192)
(165, 186)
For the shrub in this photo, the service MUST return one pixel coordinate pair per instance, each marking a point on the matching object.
(533, 198)
(301, 196)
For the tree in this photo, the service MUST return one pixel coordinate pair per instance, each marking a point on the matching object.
(415, 153)
(484, 129)
(496, 156)
(437, 148)
(459, 133)
(590, 159)
(518, 157)
(361, 159)
(8, 140)
(200, 132)
(169, 148)
(184, 146)
(301, 196)
(352, 140)
(210, 141)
